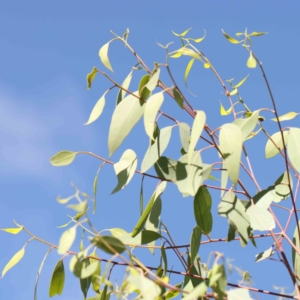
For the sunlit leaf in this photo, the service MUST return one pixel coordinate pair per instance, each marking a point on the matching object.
(103, 54)
(152, 83)
(63, 158)
(260, 218)
(58, 279)
(178, 98)
(125, 85)
(270, 149)
(188, 69)
(125, 169)
(78, 207)
(197, 40)
(185, 51)
(197, 292)
(165, 259)
(281, 186)
(95, 192)
(85, 282)
(217, 279)
(224, 180)
(251, 62)
(90, 77)
(233, 92)
(254, 33)
(12, 230)
(295, 255)
(183, 33)
(230, 39)
(241, 82)
(184, 133)
(195, 242)
(97, 272)
(97, 110)
(263, 255)
(13, 261)
(66, 240)
(293, 147)
(109, 244)
(206, 65)
(223, 111)
(247, 125)
(288, 116)
(124, 118)
(238, 294)
(166, 168)
(152, 107)
(143, 91)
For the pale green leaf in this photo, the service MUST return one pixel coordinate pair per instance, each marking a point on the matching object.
(109, 244)
(85, 282)
(288, 116)
(157, 149)
(270, 149)
(66, 240)
(103, 54)
(223, 111)
(233, 92)
(217, 280)
(124, 118)
(152, 107)
(63, 158)
(230, 39)
(95, 192)
(224, 180)
(153, 81)
(184, 133)
(263, 255)
(247, 125)
(185, 51)
(188, 69)
(125, 169)
(166, 168)
(13, 261)
(293, 147)
(231, 142)
(183, 33)
(143, 91)
(241, 82)
(254, 33)
(64, 200)
(178, 98)
(202, 210)
(239, 294)
(260, 218)
(295, 255)
(97, 110)
(125, 85)
(281, 186)
(195, 242)
(90, 77)
(197, 292)
(78, 207)
(12, 230)
(58, 279)
(97, 272)
(251, 62)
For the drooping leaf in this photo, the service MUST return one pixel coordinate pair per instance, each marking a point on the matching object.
(166, 168)
(165, 259)
(217, 280)
(195, 242)
(281, 186)
(125, 169)
(202, 207)
(85, 282)
(143, 91)
(109, 244)
(13, 261)
(124, 118)
(152, 107)
(157, 149)
(170, 294)
(58, 279)
(90, 77)
(230, 39)
(97, 272)
(152, 83)
(197, 292)
(188, 69)
(293, 147)
(270, 149)
(263, 255)
(223, 111)
(238, 294)
(12, 230)
(184, 133)
(254, 33)
(295, 255)
(79, 207)
(240, 83)
(103, 54)
(286, 117)
(141, 222)
(183, 33)
(231, 142)
(185, 51)
(66, 240)
(178, 98)
(224, 180)
(125, 85)
(251, 62)
(63, 158)
(247, 125)
(97, 110)
(95, 192)
(233, 92)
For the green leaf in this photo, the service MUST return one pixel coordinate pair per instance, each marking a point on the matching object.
(97, 272)
(233, 92)
(187, 70)
(183, 33)
(12, 230)
(143, 91)
(240, 83)
(295, 255)
(197, 292)
(13, 261)
(237, 294)
(170, 294)
(66, 240)
(281, 186)
(178, 98)
(90, 77)
(288, 116)
(254, 33)
(153, 81)
(95, 192)
(185, 51)
(263, 255)
(125, 85)
(233, 209)
(198, 125)
(223, 111)
(85, 282)
(247, 125)
(57, 280)
(293, 147)
(270, 149)
(184, 133)
(231, 142)
(115, 245)
(78, 207)
(189, 175)
(251, 62)
(157, 149)
(125, 169)
(260, 218)
(152, 107)
(165, 260)
(97, 110)
(202, 207)
(166, 168)
(224, 180)
(63, 158)
(195, 242)
(103, 54)
(217, 280)
(124, 118)
(206, 65)
(141, 222)
(230, 39)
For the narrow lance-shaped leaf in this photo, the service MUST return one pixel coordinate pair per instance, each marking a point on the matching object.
(240, 83)
(254, 33)
(270, 149)
(103, 54)
(66, 240)
(12, 230)
(295, 255)
(230, 39)
(188, 69)
(143, 91)
(233, 92)
(85, 282)
(183, 33)
(109, 244)
(184, 134)
(247, 125)
(63, 158)
(286, 117)
(293, 147)
(95, 192)
(195, 242)
(178, 98)
(57, 280)
(263, 255)
(152, 83)
(125, 85)
(90, 77)
(13, 261)
(97, 272)
(97, 110)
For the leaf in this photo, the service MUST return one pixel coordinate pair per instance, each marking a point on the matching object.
(63, 158)
(223, 111)
(166, 168)
(293, 147)
(247, 125)
(153, 81)
(270, 149)
(263, 255)
(254, 33)
(85, 282)
(115, 245)
(233, 209)
(184, 133)
(97, 110)
(13, 230)
(295, 255)
(206, 65)
(13, 261)
(231, 142)
(165, 260)
(178, 98)
(103, 54)
(230, 39)
(125, 169)
(260, 218)
(233, 92)
(251, 62)
(95, 192)
(125, 85)
(78, 207)
(281, 186)
(152, 107)
(202, 207)
(217, 280)
(183, 33)
(66, 240)
(141, 222)
(57, 280)
(288, 116)
(90, 77)
(97, 272)
(185, 51)
(143, 91)
(124, 118)
(195, 242)
(224, 180)
(198, 125)
(157, 149)
(240, 83)
(197, 292)
(238, 294)
(187, 70)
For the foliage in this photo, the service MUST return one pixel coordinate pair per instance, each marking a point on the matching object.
(246, 212)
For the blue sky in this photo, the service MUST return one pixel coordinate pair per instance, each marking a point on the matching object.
(46, 51)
